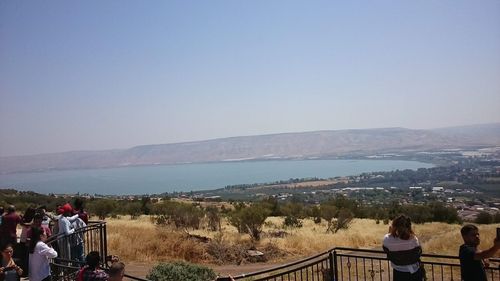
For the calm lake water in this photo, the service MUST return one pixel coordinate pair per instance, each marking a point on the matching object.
(188, 177)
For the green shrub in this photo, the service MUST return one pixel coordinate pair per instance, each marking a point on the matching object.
(180, 271)
(249, 220)
(291, 221)
(484, 218)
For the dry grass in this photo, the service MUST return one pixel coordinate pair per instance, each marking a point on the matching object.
(140, 240)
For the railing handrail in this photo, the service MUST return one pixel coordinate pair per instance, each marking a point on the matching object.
(282, 266)
(90, 225)
(353, 250)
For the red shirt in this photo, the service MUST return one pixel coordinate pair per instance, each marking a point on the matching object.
(9, 224)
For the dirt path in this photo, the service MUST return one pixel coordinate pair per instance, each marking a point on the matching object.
(141, 269)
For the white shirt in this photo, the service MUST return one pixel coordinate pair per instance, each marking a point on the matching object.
(397, 244)
(39, 261)
(65, 226)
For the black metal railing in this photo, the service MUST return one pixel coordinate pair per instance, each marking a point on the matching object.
(337, 264)
(72, 249)
(348, 264)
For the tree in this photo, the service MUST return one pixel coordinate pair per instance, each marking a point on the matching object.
(214, 221)
(102, 207)
(328, 213)
(484, 218)
(178, 214)
(249, 220)
(133, 209)
(344, 219)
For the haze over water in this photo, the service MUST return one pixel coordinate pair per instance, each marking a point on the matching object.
(192, 177)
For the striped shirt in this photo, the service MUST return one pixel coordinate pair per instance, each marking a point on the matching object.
(395, 244)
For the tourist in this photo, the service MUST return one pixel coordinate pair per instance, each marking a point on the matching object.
(22, 249)
(403, 250)
(46, 217)
(65, 230)
(116, 271)
(10, 220)
(77, 240)
(39, 256)
(92, 270)
(9, 270)
(38, 222)
(471, 259)
(1, 215)
(82, 214)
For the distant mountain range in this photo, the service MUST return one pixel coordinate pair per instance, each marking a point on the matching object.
(306, 145)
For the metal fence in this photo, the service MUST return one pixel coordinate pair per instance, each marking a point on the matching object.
(72, 249)
(348, 264)
(337, 264)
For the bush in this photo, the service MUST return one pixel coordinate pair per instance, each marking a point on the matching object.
(344, 219)
(291, 221)
(180, 271)
(102, 207)
(249, 220)
(181, 215)
(484, 218)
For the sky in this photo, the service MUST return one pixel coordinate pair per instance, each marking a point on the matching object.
(94, 75)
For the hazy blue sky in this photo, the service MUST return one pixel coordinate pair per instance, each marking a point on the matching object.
(85, 75)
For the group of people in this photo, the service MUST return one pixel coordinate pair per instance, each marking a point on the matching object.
(31, 253)
(404, 250)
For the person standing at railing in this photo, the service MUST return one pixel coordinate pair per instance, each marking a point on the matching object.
(65, 228)
(78, 210)
(403, 250)
(471, 259)
(40, 254)
(77, 240)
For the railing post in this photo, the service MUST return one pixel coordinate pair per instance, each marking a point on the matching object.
(332, 256)
(105, 241)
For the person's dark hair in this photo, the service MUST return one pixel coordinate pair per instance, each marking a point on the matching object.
(38, 216)
(11, 209)
(78, 203)
(116, 269)
(468, 228)
(1, 210)
(5, 246)
(29, 214)
(92, 260)
(401, 227)
(36, 233)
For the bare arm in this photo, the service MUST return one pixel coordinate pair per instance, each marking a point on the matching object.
(479, 255)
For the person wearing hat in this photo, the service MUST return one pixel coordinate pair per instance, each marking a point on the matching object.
(65, 229)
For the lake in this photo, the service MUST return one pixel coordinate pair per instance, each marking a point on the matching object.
(192, 177)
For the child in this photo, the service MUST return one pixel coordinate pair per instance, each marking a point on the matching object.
(471, 259)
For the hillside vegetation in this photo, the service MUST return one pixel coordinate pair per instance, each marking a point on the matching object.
(141, 240)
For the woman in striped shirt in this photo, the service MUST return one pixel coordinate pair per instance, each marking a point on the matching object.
(403, 250)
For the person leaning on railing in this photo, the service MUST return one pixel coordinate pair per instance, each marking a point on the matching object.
(471, 259)
(403, 250)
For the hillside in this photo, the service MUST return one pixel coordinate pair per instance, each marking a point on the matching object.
(317, 144)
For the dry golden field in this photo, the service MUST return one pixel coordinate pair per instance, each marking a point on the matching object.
(141, 241)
